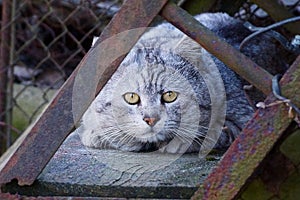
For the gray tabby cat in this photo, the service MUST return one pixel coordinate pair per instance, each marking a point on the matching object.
(159, 95)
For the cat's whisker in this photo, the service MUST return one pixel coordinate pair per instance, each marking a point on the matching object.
(185, 135)
(122, 135)
(195, 137)
(126, 139)
(109, 138)
(117, 137)
(183, 138)
(197, 125)
(201, 133)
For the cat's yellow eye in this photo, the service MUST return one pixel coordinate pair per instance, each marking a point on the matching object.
(169, 96)
(131, 98)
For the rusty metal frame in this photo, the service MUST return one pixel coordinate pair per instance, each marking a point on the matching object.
(4, 60)
(41, 141)
(253, 144)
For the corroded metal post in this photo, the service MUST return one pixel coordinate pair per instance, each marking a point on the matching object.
(4, 64)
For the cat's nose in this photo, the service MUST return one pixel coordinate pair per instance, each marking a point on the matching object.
(151, 121)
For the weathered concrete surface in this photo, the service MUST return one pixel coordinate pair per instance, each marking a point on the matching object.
(79, 171)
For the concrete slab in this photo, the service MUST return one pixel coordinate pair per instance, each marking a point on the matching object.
(79, 171)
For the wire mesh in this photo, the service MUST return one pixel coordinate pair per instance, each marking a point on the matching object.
(48, 38)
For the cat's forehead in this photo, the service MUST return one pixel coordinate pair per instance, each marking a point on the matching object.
(154, 62)
(152, 78)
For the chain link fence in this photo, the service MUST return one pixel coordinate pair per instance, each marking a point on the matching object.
(42, 41)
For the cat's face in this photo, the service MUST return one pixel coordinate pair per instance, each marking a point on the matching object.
(154, 97)
(154, 103)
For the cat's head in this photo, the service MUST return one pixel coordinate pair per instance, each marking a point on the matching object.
(157, 97)
(157, 94)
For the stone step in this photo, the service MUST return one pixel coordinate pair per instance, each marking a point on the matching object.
(75, 170)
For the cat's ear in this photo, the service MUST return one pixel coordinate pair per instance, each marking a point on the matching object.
(189, 50)
(196, 55)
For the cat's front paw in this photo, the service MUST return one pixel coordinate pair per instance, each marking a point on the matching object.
(229, 133)
(175, 146)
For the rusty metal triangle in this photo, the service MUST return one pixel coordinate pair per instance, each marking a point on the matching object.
(26, 159)
(29, 155)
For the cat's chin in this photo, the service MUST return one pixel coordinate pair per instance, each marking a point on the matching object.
(149, 137)
(148, 134)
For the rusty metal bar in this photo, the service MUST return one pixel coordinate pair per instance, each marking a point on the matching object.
(253, 144)
(29, 155)
(4, 63)
(10, 78)
(238, 62)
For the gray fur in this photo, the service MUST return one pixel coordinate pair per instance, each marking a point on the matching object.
(164, 60)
